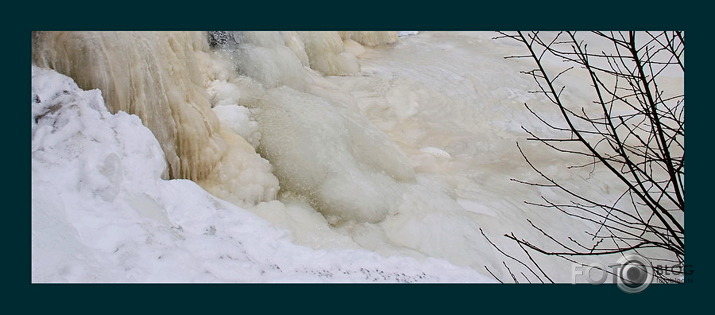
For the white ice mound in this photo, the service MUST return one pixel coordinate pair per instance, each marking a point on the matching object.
(346, 167)
(265, 57)
(371, 38)
(327, 54)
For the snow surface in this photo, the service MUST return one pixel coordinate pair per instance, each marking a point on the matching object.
(102, 213)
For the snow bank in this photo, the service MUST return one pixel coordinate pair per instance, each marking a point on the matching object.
(102, 213)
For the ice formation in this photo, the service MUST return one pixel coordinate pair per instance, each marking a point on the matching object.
(347, 168)
(150, 74)
(342, 140)
(101, 212)
(158, 77)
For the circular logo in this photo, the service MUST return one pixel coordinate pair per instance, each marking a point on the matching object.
(634, 274)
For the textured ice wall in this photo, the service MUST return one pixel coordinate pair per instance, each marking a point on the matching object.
(159, 77)
(150, 74)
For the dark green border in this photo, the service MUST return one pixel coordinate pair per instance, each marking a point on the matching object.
(442, 15)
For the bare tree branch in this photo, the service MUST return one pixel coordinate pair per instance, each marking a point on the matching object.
(633, 130)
